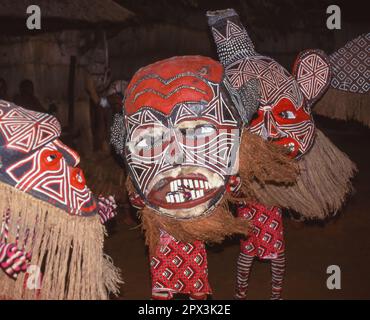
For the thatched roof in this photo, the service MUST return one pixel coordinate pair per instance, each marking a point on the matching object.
(279, 17)
(66, 14)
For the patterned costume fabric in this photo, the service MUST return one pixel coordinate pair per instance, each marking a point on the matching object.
(266, 241)
(107, 208)
(351, 66)
(34, 161)
(284, 115)
(179, 267)
(13, 260)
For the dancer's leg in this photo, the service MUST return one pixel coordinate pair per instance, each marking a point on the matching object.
(243, 269)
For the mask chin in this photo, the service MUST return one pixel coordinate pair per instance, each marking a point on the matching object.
(186, 192)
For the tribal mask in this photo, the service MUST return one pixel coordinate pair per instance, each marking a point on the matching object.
(35, 161)
(182, 135)
(284, 115)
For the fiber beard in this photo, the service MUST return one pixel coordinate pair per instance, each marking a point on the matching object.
(322, 186)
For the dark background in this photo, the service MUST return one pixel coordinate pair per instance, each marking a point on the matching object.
(278, 28)
(281, 29)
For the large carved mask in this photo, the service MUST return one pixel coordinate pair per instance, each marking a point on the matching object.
(35, 161)
(182, 135)
(284, 115)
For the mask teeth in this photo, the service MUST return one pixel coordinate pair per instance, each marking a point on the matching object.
(183, 190)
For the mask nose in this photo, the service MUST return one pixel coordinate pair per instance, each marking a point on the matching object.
(72, 158)
(175, 155)
(273, 131)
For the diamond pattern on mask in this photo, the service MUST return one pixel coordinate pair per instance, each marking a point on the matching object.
(351, 66)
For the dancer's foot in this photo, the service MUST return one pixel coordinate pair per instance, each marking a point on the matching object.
(198, 296)
(161, 296)
(240, 295)
(276, 295)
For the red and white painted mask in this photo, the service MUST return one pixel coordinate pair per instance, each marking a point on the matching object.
(35, 161)
(182, 135)
(284, 115)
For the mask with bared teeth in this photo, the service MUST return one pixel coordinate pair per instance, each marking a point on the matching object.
(182, 135)
(179, 135)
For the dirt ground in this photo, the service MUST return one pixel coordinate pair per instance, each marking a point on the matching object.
(310, 247)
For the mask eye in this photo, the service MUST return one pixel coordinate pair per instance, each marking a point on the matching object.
(51, 158)
(78, 178)
(199, 131)
(143, 143)
(287, 114)
(205, 130)
(149, 141)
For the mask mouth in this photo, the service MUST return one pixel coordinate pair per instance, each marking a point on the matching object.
(184, 190)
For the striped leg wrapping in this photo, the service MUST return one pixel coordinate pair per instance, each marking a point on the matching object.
(277, 271)
(243, 269)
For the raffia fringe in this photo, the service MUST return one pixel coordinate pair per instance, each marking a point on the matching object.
(322, 185)
(212, 228)
(69, 250)
(263, 163)
(343, 105)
